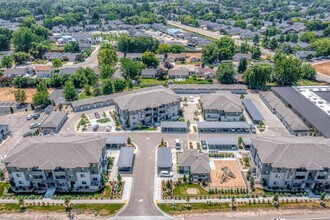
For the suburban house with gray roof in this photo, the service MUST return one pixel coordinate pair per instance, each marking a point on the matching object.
(181, 73)
(54, 122)
(60, 163)
(148, 73)
(195, 162)
(147, 106)
(291, 163)
(221, 107)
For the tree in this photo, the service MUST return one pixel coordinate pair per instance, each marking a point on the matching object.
(119, 85)
(7, 61)
(252, 183)
(256, 52)
(130, 69)
(210, 53)
(273, 44)
(245, 47)
(69, 91)
(23, 39)
(57, 63)
(38, 50)
(308, 71)
(21, 57)
(20, 96)
(106, 71)
(240, 141)
(150, 60)
(242, 65)
(41, 99)
(256, 39)
(225, 73)
(67, 204)
(5, 36)
(261, 124)
(163, 48)
(257, 76)
(21, 203)
(11, 110)
(107, 87)
(168, 185)
(168, 65)
(276, 200)
(190, 178)
(129, 141)
(107, 55)
(71, 47)
(322, 199)
(42, 87)
(184, 178)
(226, 48)
(162, 143)
(287, 69)
(233, 202)
(119, 179)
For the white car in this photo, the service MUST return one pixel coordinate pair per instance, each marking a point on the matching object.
(34, 125)
(191, 98)
(177, 144)
(165, 173)
(108, 129)
(29, 117)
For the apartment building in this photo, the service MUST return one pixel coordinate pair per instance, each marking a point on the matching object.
(221, 107)
(58, 163)
(147, 106)
(291, 163)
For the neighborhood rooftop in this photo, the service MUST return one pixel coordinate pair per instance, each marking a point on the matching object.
(54, 119)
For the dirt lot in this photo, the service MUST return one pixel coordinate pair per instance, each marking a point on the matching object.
(7, 94)
(216, 175)
(323, 68)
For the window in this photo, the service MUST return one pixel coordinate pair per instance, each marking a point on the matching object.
(18, 175)
(277, 176)
(82, 175)
(275, 183)
(20, 182)
(83, 183)
(94, 179)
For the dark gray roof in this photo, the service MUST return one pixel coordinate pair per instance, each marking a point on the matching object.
(116, 140)
(173, 124)
(207, 87)
(49, 152)
(126, 157)
(53, 120)
(310, 112)
(247, 141)
(198, 162)
(207, 124)
(221, 102)
(311, 153)
(253, 111)
(222, 141)
(164, 157)
(181, 71)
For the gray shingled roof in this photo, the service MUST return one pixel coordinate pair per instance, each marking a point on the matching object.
(220, 102)
(198, 162)
(56, 151)
(126, 157)
(164, 157)
(173, 124)
(253, 111)
(181, 71)
(53, 120)
(313, 114)
(291, 153)
(146, 98)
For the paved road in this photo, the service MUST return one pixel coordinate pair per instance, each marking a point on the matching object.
(211, 34)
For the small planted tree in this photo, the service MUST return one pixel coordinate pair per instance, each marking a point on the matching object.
(11, 110)
(261, 124)
(129, 142)
(233, 203)
(322, 199)
(240, 141)
(276, 201)
(184, 178)
(119, 179)
(252, 183)
(162, 143)
(21, 203)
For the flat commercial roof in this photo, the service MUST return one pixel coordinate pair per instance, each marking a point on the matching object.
(222, 141)
(126, 157)
(164, 157)
(313, 114)
(206, 124)
(173, 124)
(253, 111)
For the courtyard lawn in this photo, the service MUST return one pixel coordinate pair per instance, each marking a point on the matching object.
(84, 96)
(145, 81)
(181, 190)
(103, 193)
(193, 81)
(103, 120)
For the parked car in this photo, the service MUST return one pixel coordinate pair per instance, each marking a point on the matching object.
(28, 134)
(253, 129)
(177, 144)
(191, 98)
(108, 129)
(95, 127)
(36, 116)
(97, 115)
(34, 125)
(204, 145)
(165, 173)
(29, 117)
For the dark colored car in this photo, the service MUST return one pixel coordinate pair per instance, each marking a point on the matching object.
(28, 134)
(97, 115)
(95, 127)
(36, 116)
(204, 146)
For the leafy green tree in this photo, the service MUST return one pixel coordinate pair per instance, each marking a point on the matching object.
(107, 87)
(273, 44)
(210, 53)
(256, 39)
(176, 48)
(107, 55)
(23, 39)
(57, 63)
(21, 57)
(225, 73)
(287, 69)
(130, 69)
(7, 61)
(163, 48)
(119, 85)
(69, 91)
(226, 48)
(41, 99)
(242, 65)
(308, 71)
(326, 32)
(5, 36)
(11, 110)
(150, 60)
(28, 22)
(38, 50)
(245, 47)
(257, 76)
(256, 53)
(307, 37)
(71, 47)
(42, 87)
(20, 96)
(321, 46)
(106, 71)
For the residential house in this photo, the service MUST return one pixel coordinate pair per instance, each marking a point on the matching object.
(179, 73)
(305, 55)
(134, 56)
(238, 56)
(149, 73)
(147, 106)
(206, 73)
(176, 57)
(196, 163)
(221, 107)
(92, 27)
(19, 72)
(68, 70)
(52, 55)
(291, 164)
(43, 71)
(193, 57)
(63, 164)
(71, 57)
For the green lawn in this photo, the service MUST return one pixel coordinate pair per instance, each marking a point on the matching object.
(84, 96)
(193, 81)
(145, 129)
(144, 81)
(182, 190)
(103, 193)
(102, 209)
(306, 82)
(3, 186)
(103, 120)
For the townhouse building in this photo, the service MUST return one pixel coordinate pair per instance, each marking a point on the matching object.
(291, 163)
(64, 164)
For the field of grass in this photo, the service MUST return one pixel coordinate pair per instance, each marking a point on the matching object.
(102, 209)
(84, 96)
(306, 82)
(181, 190)
(144, 81)
(103, 120)
(103, 193)
(7, 94)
